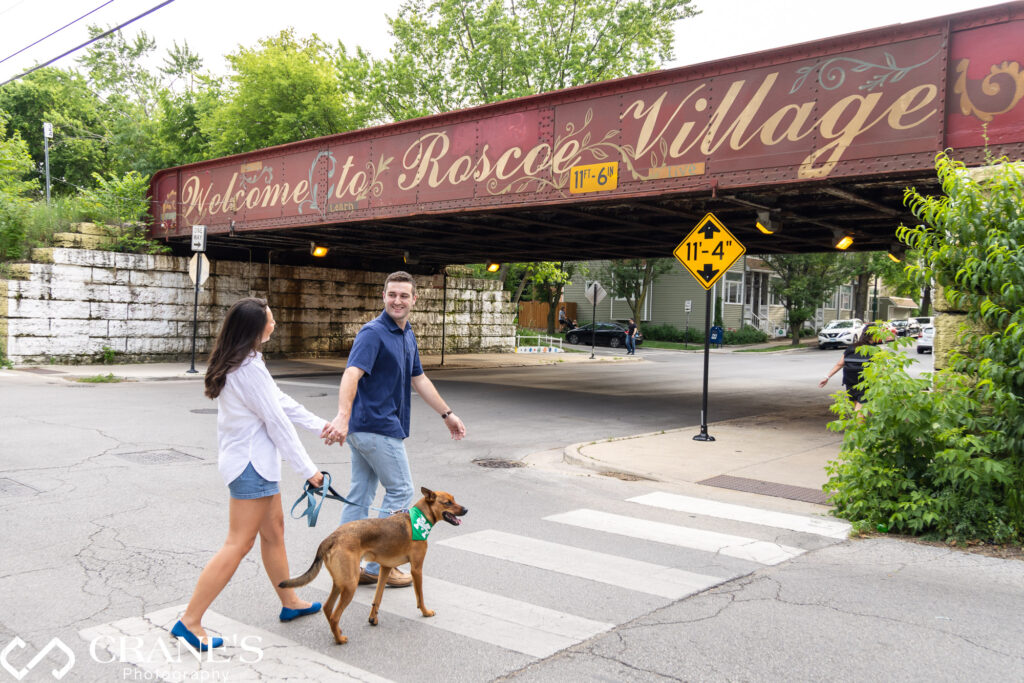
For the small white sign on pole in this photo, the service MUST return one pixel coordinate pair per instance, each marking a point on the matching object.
(198, 238)
(193, 264)
(689, 305)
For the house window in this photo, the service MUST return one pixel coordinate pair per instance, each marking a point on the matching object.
(846, 297)
(776, 298)
(734, 288)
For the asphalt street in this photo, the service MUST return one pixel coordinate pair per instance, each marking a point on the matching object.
(112, 504)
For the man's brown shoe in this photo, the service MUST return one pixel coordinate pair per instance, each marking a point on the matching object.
(396, 578)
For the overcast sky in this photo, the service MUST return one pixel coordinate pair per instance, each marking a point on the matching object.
(214, 28)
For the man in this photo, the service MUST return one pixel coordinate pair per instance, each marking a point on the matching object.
(631, 338)
(373, 410)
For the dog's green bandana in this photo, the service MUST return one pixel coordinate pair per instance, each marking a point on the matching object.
(420, 526)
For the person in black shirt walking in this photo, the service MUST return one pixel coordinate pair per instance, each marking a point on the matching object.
(852, 365)
(631, 338)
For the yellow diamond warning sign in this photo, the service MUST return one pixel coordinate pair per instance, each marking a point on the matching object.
(708, 251)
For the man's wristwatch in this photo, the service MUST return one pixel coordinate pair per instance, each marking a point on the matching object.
(444, 416)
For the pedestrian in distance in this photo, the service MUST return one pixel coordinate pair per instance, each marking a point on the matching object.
(374, 408)
(563, 322)
(852, 365)
(631, 338)
(254, 431)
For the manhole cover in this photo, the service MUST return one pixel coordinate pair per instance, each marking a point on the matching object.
(42, 371)
(163, 457)
(625, 476)
(204, 411)
(498, 464)
(9, 487)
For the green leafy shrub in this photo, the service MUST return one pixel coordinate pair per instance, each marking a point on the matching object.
(748, 334)
(943, 456)
(671, 333)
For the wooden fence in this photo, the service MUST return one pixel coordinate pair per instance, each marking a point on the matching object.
(535, 313)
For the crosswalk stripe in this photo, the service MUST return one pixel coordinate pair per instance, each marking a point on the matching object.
(635, 575)
(811, 525)
(514, 625)
(249, 653)
(763, 552)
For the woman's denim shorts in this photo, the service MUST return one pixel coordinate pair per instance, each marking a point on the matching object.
(249, 484)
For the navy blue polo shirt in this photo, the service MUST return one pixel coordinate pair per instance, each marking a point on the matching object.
(390, 358)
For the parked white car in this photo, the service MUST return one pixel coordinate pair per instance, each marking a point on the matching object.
(840, 333)
(927, 339)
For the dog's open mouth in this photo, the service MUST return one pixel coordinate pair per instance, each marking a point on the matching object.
(450, 518)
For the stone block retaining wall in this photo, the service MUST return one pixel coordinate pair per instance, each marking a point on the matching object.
(71, 304)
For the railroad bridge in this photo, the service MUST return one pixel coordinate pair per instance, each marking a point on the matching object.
(814, 141)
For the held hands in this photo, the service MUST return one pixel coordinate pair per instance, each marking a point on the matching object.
(335, 431)
(455, 426)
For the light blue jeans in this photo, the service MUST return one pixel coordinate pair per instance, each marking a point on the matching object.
(630, 344)
(377, 458)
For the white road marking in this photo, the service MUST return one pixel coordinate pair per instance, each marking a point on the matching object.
(635, 575)
(763, 552)
(494, 619)
(249, 653)
(831, 528)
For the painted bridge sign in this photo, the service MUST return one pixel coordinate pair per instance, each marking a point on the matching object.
(708, 251)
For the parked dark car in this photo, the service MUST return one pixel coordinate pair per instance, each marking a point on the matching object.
(608, 334)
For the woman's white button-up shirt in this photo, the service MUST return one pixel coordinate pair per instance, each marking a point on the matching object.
(254, 424)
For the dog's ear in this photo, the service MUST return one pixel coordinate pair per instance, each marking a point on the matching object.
(427, 494)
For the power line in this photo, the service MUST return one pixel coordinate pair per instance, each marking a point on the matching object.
(88, 42)
(56, 32)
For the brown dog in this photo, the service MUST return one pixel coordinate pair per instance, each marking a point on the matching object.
(388, 541)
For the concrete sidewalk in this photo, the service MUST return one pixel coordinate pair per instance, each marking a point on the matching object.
(772, 455)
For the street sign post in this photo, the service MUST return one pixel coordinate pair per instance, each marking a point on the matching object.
(595, 294)
(707, 252)
(199, 258)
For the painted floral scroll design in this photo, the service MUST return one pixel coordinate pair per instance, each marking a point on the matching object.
(585, 143)
(991, 86)
(832, 73)
(374, 187)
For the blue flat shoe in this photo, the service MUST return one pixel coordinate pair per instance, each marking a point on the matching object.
(180, 631)
(287, 613)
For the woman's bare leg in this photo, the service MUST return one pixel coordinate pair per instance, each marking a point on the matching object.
(245, 518)
(275, 558)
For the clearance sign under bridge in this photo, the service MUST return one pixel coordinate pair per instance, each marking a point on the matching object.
(827, 110)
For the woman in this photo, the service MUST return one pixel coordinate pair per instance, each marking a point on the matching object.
(852, 365)
(254, 430)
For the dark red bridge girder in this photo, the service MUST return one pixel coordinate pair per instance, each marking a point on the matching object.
(824, 136)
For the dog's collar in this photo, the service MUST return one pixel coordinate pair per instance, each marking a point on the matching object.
(421, 526)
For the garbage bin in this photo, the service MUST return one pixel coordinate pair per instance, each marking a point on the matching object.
(716, 335)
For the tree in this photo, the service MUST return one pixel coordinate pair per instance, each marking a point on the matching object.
(631, 279)
(805, 281)
(549, 279)
(65, 99)
(288, 89)
(15, 165)
(452, 54)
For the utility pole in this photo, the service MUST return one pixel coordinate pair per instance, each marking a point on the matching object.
(47, 134)
(874, 301)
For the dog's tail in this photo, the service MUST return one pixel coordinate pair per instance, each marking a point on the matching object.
(310, 574)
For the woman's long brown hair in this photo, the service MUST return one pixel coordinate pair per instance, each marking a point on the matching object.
(240, 335)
